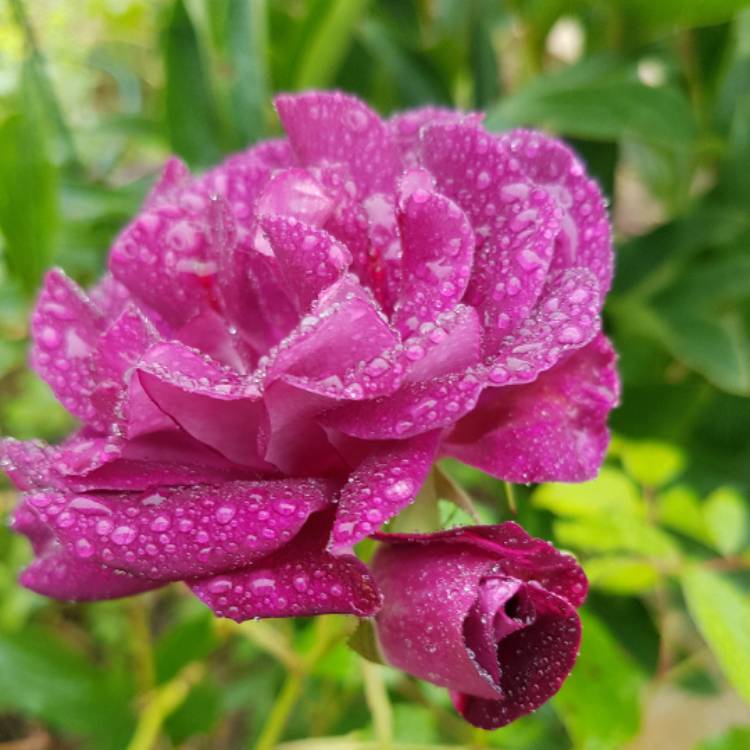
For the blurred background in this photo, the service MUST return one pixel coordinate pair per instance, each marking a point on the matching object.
(655, 95)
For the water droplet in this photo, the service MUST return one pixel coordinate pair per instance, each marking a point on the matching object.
(123, 535)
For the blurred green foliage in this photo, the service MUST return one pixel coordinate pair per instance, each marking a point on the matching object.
(656, 97)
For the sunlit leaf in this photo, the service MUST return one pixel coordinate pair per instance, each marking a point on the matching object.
(610, 492)
(722, 614)
(652, 463)
(728, 519)
(621, 575)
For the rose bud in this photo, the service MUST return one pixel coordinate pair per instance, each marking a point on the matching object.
(488, 612)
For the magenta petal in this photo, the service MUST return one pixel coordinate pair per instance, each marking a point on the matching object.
(57, 573)
(384, 483)
(516, 223)
(585, 238)
(118, 351)
(61, 576)
(299, 580)
(66, 328)
(451, 343)
(406, 127)
(174, 177)
(414, 409)
(164, 459)
(239, 181)
(163, 258)
(109, 296)
(330, 126)
(551, 430)
(332, 350)
(566, 318)
(28, 463)
(534, 662)
(310, 259)
(248, 283)
(428, 592)
(295, 193)
(211, 403)
(438, 249)
(182, 532)
(517, 555)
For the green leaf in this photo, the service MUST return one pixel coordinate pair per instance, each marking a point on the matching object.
(621, 575)
(197, 714)
(240, 34)
(728, 519)
(610, 493)
(651, 463)
(28, 192)
(188, 640)
(680, 509)
(718, 348)
(601, 100)
(618, 533)
(685, 13)
(364, 641)
(416, 82)
(328, 44)
(721, 613)
(191, 118)
(484, 62)
(41, 676)
(599, 703)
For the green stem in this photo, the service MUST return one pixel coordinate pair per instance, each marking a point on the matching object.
(162, 703)
(328, 631)
(282, 709)
(140, 643)
(510, 495)
(378, 703)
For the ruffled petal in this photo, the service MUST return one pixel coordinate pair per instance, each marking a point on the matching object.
(585, 238)
(183, 532)
(406, 127)
(119, 349)
(515, 553)
(56, 573)
(332, 350)
(164, 258)
(428, 592)
(566, 318)
(66, 327)
(386, 481)
(310, 259)
(29, 463)
(212, 404)
(331, 126)
(551, 430)
(414, 409)
(534, 662)
(299, 580)
(515, 222)
(438, 249)
(295, 193)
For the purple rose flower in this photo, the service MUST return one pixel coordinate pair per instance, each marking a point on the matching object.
(284, 345)
(486, 611)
